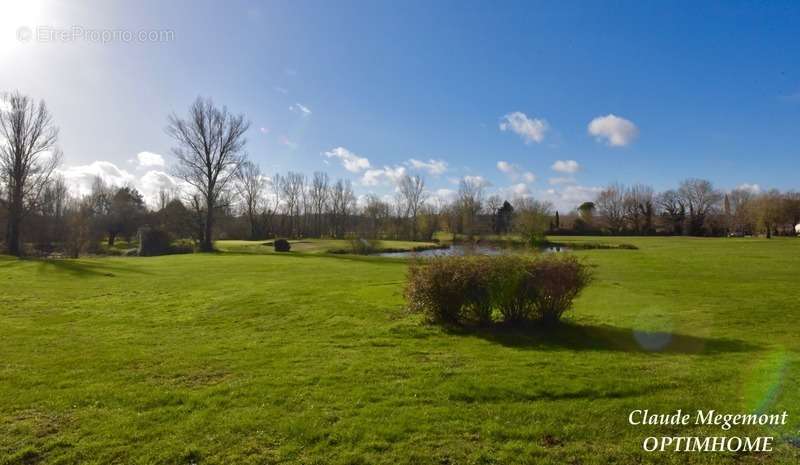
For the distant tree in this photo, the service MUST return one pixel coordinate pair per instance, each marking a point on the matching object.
(210, 152)
(343, 203)
(126, 214)
(503, 218)
(557, 221)
(768, 206)
(639, 205)
(470, 203)
(412, 193)
(700, 199)
(250, 187)
(673, 210)
(531, 218)
(178, 221)
(741, 209)
(610, 204)
(319, 194)
(28, 158)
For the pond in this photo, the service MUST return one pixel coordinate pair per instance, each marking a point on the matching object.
(460, 250)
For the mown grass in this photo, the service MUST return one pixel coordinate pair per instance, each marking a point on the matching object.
(305, 358)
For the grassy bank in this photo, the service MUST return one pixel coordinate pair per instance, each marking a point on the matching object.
(310, 358)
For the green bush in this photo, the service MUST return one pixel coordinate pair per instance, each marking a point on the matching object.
(469, 289)
(281, 245)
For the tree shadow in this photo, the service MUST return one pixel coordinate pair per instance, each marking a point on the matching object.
(577, 337)
(84, 268)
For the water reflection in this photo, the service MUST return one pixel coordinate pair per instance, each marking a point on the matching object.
(461, 250)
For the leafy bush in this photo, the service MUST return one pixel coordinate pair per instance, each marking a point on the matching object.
(281, 245)
(470, 289)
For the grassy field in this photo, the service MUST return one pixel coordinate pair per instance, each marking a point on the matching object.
(310, 358)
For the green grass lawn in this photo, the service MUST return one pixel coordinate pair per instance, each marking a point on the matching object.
(310, 358)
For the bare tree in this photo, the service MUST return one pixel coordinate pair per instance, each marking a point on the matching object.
(250, 187)
(412, 193)
(210, 152)
(610, 205)
(342, 203)
(292, 189)
(28, 158)
(639, 208)
(673, 210)
(470, 203)
(319, 198)
(531, 218)
(700, 199)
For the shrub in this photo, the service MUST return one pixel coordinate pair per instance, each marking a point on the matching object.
(153, 242)
(281, 245)
(470, 289)
(557, 280)
(437, 289)
(511, 288)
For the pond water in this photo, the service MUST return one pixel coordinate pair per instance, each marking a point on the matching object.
(460, 250)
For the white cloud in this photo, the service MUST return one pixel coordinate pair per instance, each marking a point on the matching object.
(300, 108)
(506, 167)
(280, 90)
(754, 188)
(442, 196)
(614, 130)
(530, 129)
(566, 166)
(568, 198)
(388, 174)
(520, 190)
(80, 178)
(561, 180)
(478, 180)
(350, 160)
(154, 181)
(513, 171)
(149, 159)
(434, 167)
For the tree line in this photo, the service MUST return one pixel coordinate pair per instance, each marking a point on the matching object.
(224, 194)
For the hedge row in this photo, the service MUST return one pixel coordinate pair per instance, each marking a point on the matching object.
(482, 289)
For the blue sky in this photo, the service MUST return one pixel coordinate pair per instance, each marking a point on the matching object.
(707, 89)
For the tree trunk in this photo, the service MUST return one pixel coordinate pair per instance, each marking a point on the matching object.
(111, 238)
(12, 238)
(14, 224)
(208, 244)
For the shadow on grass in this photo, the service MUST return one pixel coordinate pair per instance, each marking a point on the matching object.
(84, 268)
(572, 336)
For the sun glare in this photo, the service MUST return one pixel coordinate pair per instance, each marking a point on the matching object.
(18, 21)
